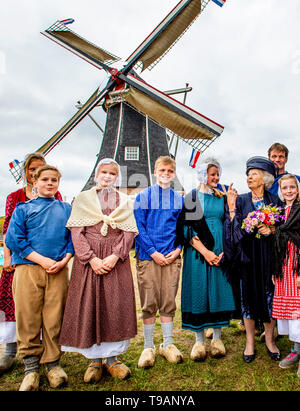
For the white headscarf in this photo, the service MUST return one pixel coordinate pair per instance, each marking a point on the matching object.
(202, 169)
(109, 161)
(87, 211)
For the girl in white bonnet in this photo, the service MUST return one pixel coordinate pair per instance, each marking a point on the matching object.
(100, 313)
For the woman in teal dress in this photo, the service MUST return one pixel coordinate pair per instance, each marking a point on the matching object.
(207, 299)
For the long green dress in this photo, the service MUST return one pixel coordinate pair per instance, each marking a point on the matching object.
(206, 299)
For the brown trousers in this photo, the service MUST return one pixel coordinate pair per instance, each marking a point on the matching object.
(158, 287)
(39, 305)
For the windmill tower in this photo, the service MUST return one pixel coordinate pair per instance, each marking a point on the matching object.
(138, 114)
(135, 142)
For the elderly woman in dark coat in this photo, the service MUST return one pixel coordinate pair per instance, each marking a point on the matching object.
(252, 256)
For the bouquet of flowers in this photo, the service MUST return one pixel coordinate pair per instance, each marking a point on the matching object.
(265, 215)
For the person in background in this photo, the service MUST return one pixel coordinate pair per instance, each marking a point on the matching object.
(278, 153)
(8, 324)
(41, 248)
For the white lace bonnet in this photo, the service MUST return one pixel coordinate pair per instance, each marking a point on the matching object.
(109, 161)
(202, 169)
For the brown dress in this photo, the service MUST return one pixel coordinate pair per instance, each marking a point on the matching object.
(100, 308)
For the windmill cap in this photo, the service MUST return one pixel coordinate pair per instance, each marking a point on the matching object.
(261, 163)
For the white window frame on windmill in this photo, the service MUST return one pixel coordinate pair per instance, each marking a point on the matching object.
(132, 153)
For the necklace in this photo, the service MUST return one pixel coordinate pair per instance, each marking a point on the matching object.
(257, 198)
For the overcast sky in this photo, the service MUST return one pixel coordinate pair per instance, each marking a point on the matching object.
(242, 60)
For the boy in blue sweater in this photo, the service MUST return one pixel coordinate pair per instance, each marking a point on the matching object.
(157, 260)
(41, 248)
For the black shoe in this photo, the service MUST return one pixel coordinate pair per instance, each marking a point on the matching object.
(276, 356)
(249, 358)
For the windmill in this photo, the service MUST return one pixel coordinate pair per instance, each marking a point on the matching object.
(138, 114)
(161, 134)
(184, 90)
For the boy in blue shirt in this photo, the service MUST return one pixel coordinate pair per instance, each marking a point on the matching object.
(157, 260)
(41, 249)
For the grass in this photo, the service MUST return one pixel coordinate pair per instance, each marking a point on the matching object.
(229, 373)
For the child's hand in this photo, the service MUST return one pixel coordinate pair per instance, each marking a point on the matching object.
(47, 263)
(173, 255)
(97, 266)
(59, 265)
(298, 281)
(55, 268)
(159, 258)
(7, 263)
(110, 261)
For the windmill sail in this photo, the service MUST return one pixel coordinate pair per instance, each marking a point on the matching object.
(95, 98)
(86, 50)
(167, 33)
(170, 113)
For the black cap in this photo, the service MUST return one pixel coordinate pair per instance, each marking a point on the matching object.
(261, 163)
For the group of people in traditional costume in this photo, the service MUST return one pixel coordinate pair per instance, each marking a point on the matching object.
(227, 272)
